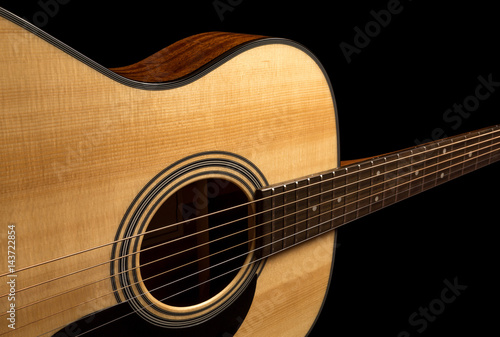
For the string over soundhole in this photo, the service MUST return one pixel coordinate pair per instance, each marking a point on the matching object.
(196, 246)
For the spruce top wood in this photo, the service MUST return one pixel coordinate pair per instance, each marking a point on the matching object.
(195, 193)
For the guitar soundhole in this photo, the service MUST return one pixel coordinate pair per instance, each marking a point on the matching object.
(195, 247)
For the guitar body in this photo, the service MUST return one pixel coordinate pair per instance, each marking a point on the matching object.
(87, 159)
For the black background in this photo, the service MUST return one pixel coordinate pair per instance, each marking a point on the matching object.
(392, 94)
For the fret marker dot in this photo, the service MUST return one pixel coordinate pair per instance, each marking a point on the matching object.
(470, 154)
(315, 208)
(444, 151)
(442, 175)
(376, 198)
(339, 199)
(417, 172)
(378, 172)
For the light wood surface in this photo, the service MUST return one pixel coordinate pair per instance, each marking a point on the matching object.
(78, 147)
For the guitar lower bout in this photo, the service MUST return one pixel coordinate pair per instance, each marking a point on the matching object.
(190, 253)
(99, 168)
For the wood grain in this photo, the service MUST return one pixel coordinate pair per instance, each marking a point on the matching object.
(183, 57)
(78, 147)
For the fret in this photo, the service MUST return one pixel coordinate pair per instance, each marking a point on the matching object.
(495, 155)
(313, 206)
(390, 180)
(457, 162)
(278, 221)
(301, 209)
(377, 183)
(403, 174)
(417, 170)
(364, 190)
(484, 145)
(351, 191)
(444, 160)
(326, 202)
(430, 168)
(289, 223)
(471, 152)
(339, 182)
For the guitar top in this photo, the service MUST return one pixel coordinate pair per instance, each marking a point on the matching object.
(196, 192)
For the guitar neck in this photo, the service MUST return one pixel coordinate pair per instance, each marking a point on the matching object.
(293, 212)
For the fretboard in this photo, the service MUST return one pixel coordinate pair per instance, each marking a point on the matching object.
(296, 211)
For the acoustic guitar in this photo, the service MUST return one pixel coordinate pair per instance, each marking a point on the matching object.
(194, 193)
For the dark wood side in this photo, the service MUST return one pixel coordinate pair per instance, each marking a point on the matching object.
(183, 57)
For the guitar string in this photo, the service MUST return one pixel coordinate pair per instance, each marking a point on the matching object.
(164, 299)
(253, 228)
(301, 211)
(278, 230)
(252, 262)
(252, 215)
(492, 130)
(254, 201)
(289, 214)
(403, 191)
